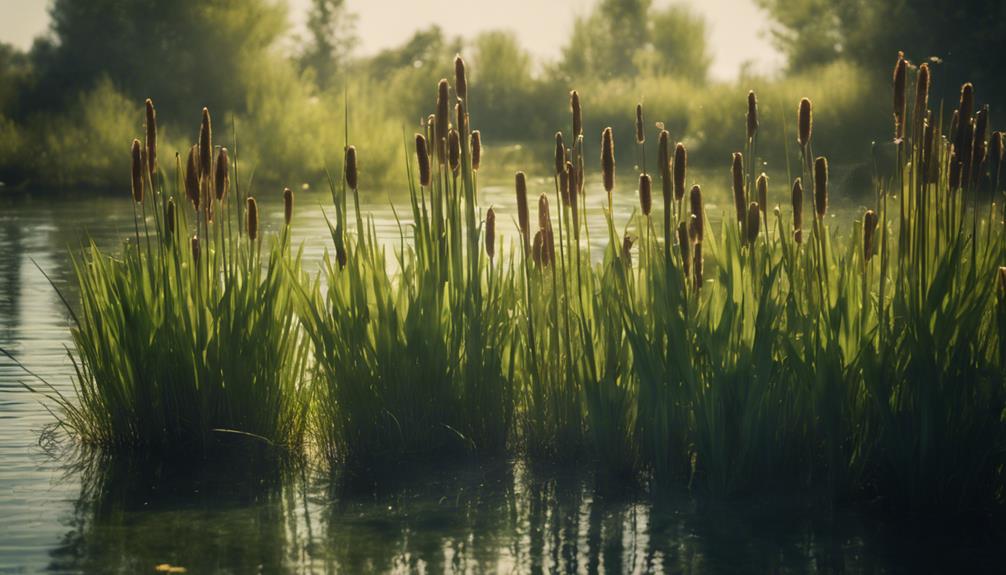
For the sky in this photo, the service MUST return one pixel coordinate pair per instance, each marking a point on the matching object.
(738, 30)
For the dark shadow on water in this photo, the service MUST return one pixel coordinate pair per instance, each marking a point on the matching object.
(245, 512)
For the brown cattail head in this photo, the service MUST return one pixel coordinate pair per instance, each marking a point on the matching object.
(627, 242)
(340, 254)
(442, 120)
(680, 167)
(205, 146)
(287, 205)
(697, 265)
(564, 186)
(151, 138)
(252, 219)
(821, 186)
(192, 176)
(640, 134)
(350, 167)
(996, 148)
(737, 171)
(955, 170)
(922, 94)
(574, 107)
(560, 154)
(460, 79)
(797, 199)
(460, 117)
(476, 150)
(170, 217)
(536, 249)
(805, 123)
(927, 149)
(137, 171)
(752, 117)
(761, 185)
(900, 77)
(195, 248)
(423, 157)
(695, 201)
(491, 233)
(666, 178)
(544, 221)
(608, 159)
(222, 178)
(869, 226)
(684, 243)
(966, 108)
(454, 151)
(523, 218)
(954, 124)
(645, 194)
(754, 219)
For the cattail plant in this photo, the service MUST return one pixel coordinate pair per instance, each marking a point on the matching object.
(680, 168)
(572, 191)
(350, 168)
(205, 147)
(608, 161)
(645, 194)
(544, 219)
(797, 200)
(927, 149)
(922, 81)
(170, 217)
(137, 171)
(151, 138)
(545, 225)
(577, 112)
(442, 120)
(955, 171)
(252, 219)
(476, 150)
(978, 147)
(423, 158)
(192, 176)
(287, 205)
(222, 179)
(195, 249)
(900, 78)
(491, 233)
(640, 133)
(454, 151)
(754, 219)
(460, 117)
(752, 115)
(695, 200)
(536, 249)
(869, 227)
(460, 79)
(737, 171)
(666, 178)
(805, 123)
(560, 154)
(683, 245)
(523, 217)
(761, 185)
(821, 186)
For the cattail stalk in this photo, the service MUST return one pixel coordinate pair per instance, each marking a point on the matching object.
(170, 217)
(460, 78)
(797, 200)
(754, 219)
(869, 227)
(577, 113)
(205, 147)
(423, 158)
(752, 116)
(697, 265)
(192, 176)
(222, 179)
(666, 177)
(695, 201)
(922, 94)
(683, 244)
(680, 168)
(523, 217)
(900, 78)
(805, 123)
(350, 168)
(454, 151)
(560, 153)
(645, 194)
(640, 133)
(442, 120)
(737, 171)
(608, 162)
(476, 150)
(252, 219)
(491, 233)
(572, 191)
(151, 138)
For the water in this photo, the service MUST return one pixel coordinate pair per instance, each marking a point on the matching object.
(65, 512)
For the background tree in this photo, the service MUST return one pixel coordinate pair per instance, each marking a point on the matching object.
(332, 35)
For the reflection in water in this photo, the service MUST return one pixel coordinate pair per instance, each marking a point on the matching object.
(247, 513)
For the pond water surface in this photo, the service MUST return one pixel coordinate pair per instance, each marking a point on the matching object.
(63, 512)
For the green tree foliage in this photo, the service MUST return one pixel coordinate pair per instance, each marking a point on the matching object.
(622, 38)
(331, 29)
(185, 53)
(967, 35)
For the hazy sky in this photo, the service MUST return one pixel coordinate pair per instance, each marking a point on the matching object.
(737, 27)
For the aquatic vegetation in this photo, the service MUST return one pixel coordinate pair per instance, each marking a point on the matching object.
(191, 330)
(767, 351)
